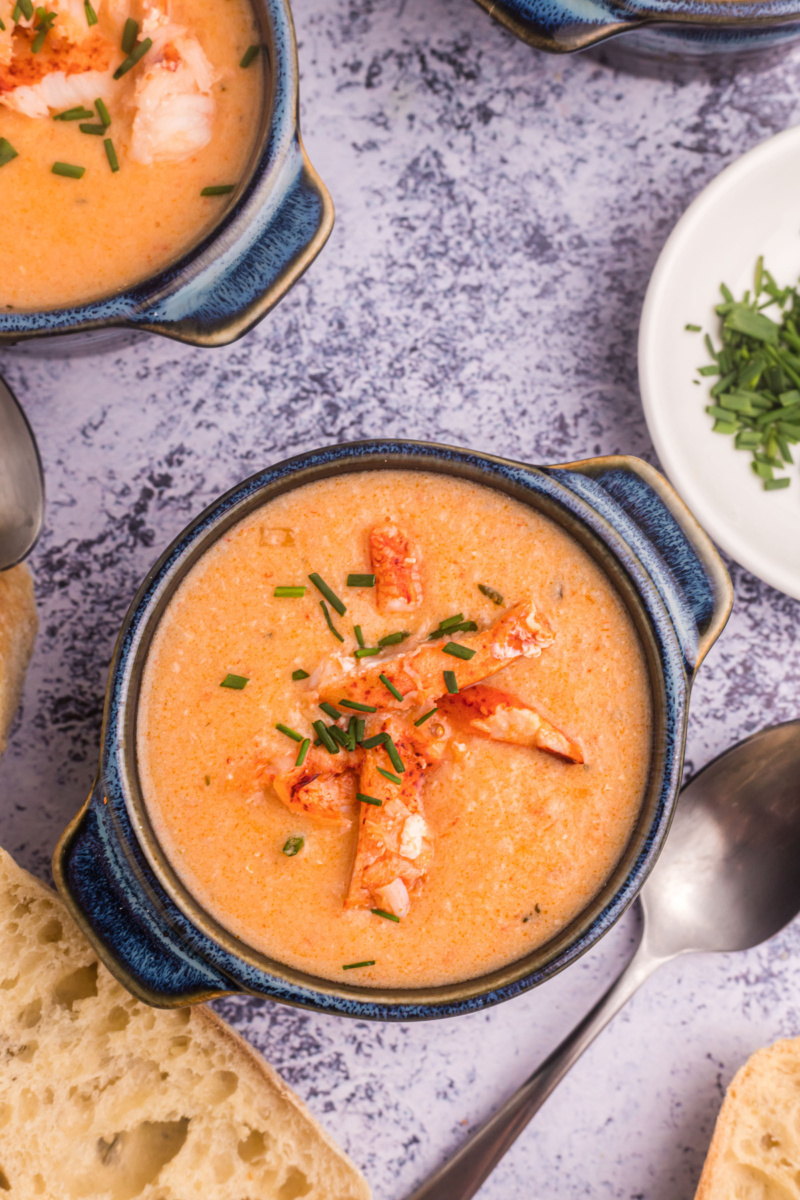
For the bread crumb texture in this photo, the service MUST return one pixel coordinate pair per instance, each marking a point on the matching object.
(104, 1098)
(755, 1151)
(18, 625)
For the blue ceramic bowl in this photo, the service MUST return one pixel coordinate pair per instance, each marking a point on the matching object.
(275, 226)
(677, 30)
(152, 933)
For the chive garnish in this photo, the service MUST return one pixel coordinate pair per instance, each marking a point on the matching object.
(458, 651)
(7, 152)
(369, 799)
(289, 593)
(361, 726)
(133, 58)
(388, 775)
(352, 733)
(68, 170)
(102, 112)
(292, 846)
(359, 635)
(361, 581)
(91, 15)
(693, 328)
(392, 751)
(326, 739)
(98, 130)
(299, 674)
(339, 736)
(46, 20)
(331, 625)
(25, 7)
(387, 683)
(449, 622)
(358, 707)
(773, 485)
(370, 962)
(386, 916)
(393, 639)
(365, 652)
(302, 752)
(330, 710)
(2, 25)
(218, 189)
(450, 681)
(292, 733)
(248, 56)
(129, 35)
(334, 601)
(236, 682)
(111, 154)
(430, 711)
(74, 114)
(377, 740)
(489, 592)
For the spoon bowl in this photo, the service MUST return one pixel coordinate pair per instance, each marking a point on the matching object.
(21, 483)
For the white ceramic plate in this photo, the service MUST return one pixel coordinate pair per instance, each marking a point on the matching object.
(752, 208)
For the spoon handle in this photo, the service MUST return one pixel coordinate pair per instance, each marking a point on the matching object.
(463, 1174)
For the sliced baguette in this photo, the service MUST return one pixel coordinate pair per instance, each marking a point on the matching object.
(755, 1150)
(104, 1098)
(18, 625)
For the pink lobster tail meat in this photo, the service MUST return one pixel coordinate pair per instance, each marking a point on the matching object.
(505, 718)
(419, 674)
(396, 565)
(324, 787)
(395, 846)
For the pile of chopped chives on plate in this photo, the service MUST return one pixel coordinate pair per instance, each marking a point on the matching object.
(756, 396)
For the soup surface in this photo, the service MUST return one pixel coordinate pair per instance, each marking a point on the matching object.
(489, 825)
(183, 118)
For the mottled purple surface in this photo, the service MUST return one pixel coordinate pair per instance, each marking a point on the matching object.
(498, 216)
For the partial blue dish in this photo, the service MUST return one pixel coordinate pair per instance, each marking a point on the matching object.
(272, 230)
(677, 30)
(123, 891)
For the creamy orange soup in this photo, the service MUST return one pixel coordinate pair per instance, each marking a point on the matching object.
(516, 839)
(183, 118)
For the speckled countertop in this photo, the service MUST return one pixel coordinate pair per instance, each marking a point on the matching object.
(498, 215)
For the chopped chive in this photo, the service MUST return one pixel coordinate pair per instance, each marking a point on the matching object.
(388, 775)
(358, 707)
(91, 15)
(326, 739)
(289, 593)
(302, 752)
(351, 733)
(218, 189)
(369, 799)
(292, 846)
(292, 733)
(386, 916)
(377, 740)
(693, 328)
(366, 651)
(129, 35)
(464, 627)
(339, 736)
(331, 625)
(459, 651)
(236, 682)
(74, 114)
(361, 581)
(299, 674)
(330, 710)
(361, 726)
(393, 639)
(370, 962)
(97, 130)
(449, 622)
(248, 56)
(208, 781)
(773, 485)
(334, 601)
(359, 635)
(2, 25)
(68, 170)
(7, 152)
(111, 154)
(492, 595)
(387, 683)
(430, 711)
(133, 58)
(46, 20)
(25, 7)
(392, 751)
(451, 683)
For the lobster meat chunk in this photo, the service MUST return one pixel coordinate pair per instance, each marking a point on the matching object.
(505, 718)
(396, 565)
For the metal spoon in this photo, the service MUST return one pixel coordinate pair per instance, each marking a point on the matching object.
(21, 483)
(727, 879)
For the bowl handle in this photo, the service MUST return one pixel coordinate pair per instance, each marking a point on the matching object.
(680, 558)
(244, 274)
(563, 27)
(133, 926)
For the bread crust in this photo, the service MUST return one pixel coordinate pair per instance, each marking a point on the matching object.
(18, 626)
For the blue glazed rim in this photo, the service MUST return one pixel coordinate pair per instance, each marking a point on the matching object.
(278, 221)
(566, 26)
(668, 574)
